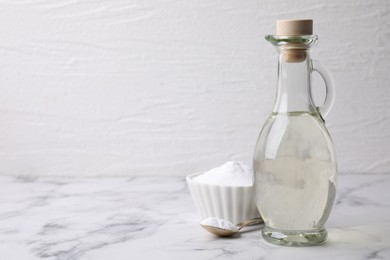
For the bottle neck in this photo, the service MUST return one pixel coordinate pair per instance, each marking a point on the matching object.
(294, 78)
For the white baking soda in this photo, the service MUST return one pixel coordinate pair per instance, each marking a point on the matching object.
(219, 223)
(232, 173)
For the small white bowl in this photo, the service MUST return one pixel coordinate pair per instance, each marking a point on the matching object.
(232, 203)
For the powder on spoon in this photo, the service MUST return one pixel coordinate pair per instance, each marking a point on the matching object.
(232, 173)
(219, 223)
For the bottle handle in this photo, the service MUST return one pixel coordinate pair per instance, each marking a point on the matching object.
(329, 84)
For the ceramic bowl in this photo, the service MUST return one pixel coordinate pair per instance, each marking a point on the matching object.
(232, 203)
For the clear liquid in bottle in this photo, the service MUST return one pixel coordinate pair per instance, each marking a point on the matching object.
(295, 189)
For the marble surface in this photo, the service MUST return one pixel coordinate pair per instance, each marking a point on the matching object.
(155, 218)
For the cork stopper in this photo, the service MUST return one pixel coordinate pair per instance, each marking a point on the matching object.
(293, 53)
(294, 27)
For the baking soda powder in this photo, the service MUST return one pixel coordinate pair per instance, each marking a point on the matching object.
(232, 173)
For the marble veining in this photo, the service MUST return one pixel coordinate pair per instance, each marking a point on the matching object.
(154, 218)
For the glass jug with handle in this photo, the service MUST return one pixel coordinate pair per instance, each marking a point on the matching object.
(294, 162)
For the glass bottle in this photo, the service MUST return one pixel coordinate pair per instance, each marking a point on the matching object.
(294, 161)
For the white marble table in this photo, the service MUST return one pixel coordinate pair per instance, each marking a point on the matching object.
(155, 218)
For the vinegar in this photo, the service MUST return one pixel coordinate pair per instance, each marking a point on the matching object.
(295, 172)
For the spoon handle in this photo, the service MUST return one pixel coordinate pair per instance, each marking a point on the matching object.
(253, 221)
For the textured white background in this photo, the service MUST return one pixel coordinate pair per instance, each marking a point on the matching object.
(172, 87)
